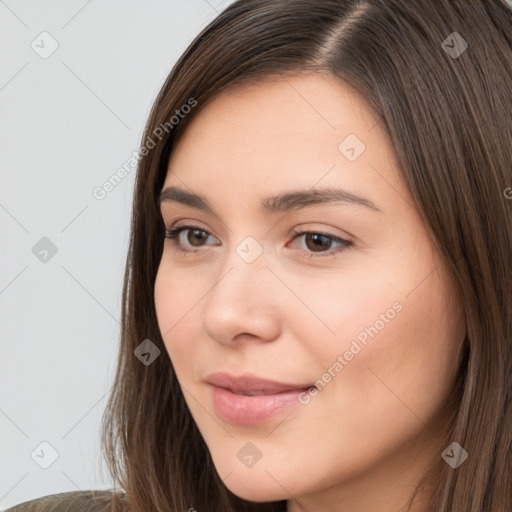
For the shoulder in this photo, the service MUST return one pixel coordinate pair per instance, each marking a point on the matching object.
(74, 501)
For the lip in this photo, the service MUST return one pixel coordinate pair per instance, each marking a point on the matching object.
(274, 398)
(250, 382)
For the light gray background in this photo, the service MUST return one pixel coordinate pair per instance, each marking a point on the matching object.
(68, 122)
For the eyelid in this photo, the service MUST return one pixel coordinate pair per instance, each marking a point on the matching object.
(327, 230)
(190, 225)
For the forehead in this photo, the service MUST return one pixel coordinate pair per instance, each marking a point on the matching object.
(282, 133)
(317, 108)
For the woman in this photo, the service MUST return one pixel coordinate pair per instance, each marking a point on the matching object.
(322, 216)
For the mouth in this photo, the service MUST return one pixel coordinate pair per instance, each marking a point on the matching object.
(250, 400)
(253, 408)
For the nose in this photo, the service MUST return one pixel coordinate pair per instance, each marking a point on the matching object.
(243, 305)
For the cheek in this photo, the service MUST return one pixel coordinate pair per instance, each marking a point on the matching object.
(350, 308)
(393, 335)
(402, 372)
(174, 305)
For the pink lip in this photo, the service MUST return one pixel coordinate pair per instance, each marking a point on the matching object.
(250, 382)
(252, 410)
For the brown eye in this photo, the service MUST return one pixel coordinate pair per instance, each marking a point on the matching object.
(196, 236)
(320, 243)
(317, 241)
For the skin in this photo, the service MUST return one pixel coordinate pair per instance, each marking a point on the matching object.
(362, 443)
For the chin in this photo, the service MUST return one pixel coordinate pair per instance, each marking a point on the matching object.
(256, 487)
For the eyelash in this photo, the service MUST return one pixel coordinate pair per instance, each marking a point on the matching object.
(174, 231)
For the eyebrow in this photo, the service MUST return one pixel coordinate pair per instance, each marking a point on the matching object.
(285, 202)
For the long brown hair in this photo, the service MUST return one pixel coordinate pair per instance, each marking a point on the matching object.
(438, 76)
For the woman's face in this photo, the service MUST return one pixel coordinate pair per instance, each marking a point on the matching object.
(374, 324)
